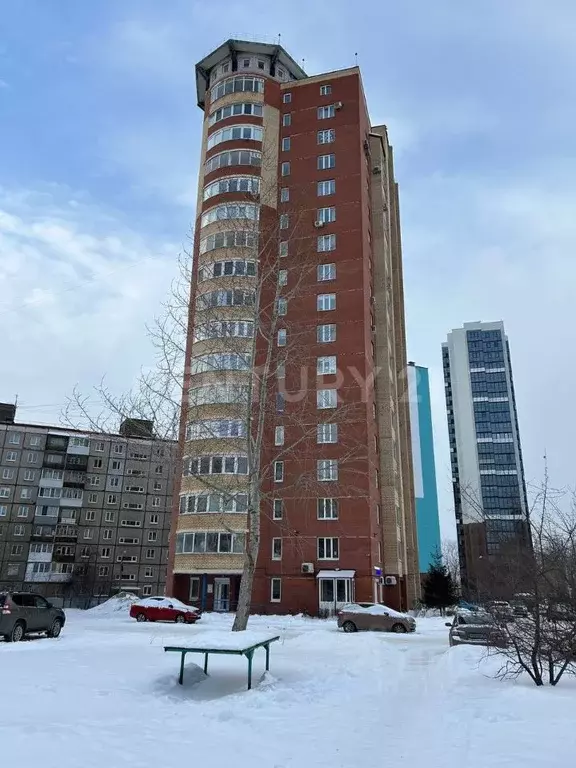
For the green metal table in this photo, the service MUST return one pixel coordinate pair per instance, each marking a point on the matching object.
(232, 650)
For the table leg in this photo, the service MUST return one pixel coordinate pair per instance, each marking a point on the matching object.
(250, 654)
(205, 663)
(267, 658)
(181, 676)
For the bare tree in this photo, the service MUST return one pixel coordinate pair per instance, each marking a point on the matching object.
(451, 559)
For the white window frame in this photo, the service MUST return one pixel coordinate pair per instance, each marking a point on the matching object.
(276, 548)
(279, 435)
(331, 545)
(326, 433)
(326, 162)
(285, 168)
(327, 470)
(326, 243)
(326, 334)
(286, 144)
(326, 215)
(277, 509)
(326, 112)
(327, 136)
(275, 597)
(278, 471)
(328, 184)
(326, 365)
(325, 90)
(287, 119)
(325, 272)
(326, 302)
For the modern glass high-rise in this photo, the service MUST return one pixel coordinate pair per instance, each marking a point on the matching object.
(486, 457)
(425, 489)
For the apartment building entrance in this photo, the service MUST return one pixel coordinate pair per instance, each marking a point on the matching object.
(222, 594)
(335, 589)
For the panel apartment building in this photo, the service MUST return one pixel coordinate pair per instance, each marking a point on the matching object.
(297, 209)
(83, 515)
(487, 468)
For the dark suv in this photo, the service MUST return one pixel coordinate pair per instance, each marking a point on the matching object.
(23, 612)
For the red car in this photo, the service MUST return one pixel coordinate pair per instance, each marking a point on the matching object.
(164, 609)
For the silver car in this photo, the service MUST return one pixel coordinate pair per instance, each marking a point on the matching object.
(474, 628)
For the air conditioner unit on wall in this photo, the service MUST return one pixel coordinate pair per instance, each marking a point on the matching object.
(390, 581)
(319, 224)
(338, 105)
(307, 567)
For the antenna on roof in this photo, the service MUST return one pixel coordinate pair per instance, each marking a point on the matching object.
(356, 58)
(303, 63)
(279, 38)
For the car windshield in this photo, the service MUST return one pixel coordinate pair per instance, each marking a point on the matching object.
(476, 618)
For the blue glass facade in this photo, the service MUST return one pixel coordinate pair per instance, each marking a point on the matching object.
(486, 458)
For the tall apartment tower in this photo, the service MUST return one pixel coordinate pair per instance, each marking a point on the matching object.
(425, 489)
(297, 209)
(487, 469)
(83, 514)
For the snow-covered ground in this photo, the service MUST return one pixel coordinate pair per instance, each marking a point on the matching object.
(105, 695)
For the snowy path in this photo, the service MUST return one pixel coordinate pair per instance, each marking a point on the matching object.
(105, 696)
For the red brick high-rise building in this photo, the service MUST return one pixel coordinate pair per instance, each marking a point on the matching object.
(292, 168)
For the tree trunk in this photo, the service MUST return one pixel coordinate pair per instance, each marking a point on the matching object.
(247, 581)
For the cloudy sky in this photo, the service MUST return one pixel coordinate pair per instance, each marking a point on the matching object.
(98, 161)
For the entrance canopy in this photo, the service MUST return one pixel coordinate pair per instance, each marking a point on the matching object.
(335, 574)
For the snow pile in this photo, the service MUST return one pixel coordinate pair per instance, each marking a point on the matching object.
(118, 604)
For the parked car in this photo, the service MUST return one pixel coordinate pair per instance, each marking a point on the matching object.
(358, 616)
(474, 628)
(164, 609)
(519, 609)
(500, 609)
(24, 613)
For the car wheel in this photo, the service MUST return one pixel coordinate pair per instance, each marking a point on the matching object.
(398, 628)
(180, 619)
(349, 626)
(55, 629)
(18, 631)
(140, 617)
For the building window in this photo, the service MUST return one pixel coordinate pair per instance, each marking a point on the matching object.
(286, 120)
(284, 195)
(282, 306)
(146, 590)
(234, 133)
(112, 498)
(99, 446)
(285, 169)
(275, 590)
(16, 549)
(276, 549)
(325, 162)
(22, 511)
(159, 469)
(326, 188)
(278, 471)
(279, 436)
(103, 570)
(283, 277)
(116, 464)
(109, 516)
(12, 456)
(325, 112)
(281, 371)
(97, 463)
(32, 457)
(3, 512)
(154, 518)
(327, 433)
(18, 530)
(148, 572)
(150, 554)
(232, 110)
(7, 474)
(4, 493)
(278, 509)
(94, 481)
(105, 552)
(118, 448)
(283, 249)
(326, 271)
(281, 337)
(326, 365)
(280, 402)
(261, 64)
(286, 143)
(157, 485)
(34, 441)
(284, 221)
(89, 515)
(245, 63)
(325, 90)
(92, 498)
(114, 482)
(326, 243)
(326, 302)
(14, 438)
(287, 98)
(326, 137)
(326, 333)
(328, 548)
(327, 470)
(26, 493)
(88, 533)
(152, 535)
(326, 215)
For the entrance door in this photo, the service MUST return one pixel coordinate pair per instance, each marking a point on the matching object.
(221, 594)
(334, 593)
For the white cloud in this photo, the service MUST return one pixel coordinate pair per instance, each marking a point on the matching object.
(78, 289)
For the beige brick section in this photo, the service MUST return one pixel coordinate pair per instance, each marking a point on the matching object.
(203, 563)
(395, 471)
(270, 149)
(232, 523)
